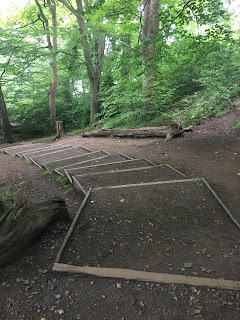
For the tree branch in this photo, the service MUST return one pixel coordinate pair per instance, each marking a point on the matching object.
(181, 11)
(69, 6)
(45, 24)
(72, 55)
(29, 24)
(5, 68)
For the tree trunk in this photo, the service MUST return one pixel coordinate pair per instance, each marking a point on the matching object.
(93, 58)
(53, 47)
(6, 126)
(21, 221)
(94, 94)
(52, 94)
(149, 33)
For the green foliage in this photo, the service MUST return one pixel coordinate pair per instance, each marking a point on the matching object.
(28, 161)
(7, 201)
(45, 172)
(65, 184)
(196, 61)
(237, 124)
(70, 189)
(62, 179)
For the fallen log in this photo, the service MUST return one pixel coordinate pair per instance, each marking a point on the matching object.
(167, 132)
(128, 133)
(21, 221)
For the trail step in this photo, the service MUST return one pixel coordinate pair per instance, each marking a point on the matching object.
(147, 227)
(23, 148)
(128, 176)
(103, 165)
(77, 169)
(44, 151)
(66, 162)
(58, 155)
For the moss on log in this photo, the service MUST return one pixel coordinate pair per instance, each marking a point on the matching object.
(168, 132)
(21, 221)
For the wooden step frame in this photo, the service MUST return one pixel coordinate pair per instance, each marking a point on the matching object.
(143, 275)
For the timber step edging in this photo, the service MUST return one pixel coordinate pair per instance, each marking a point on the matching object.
(88, 167)
(58, 155)
(71, 161)
(126, 177)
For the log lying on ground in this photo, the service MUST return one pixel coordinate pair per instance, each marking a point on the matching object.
(128, 133)
(21, 221)
(150, 132)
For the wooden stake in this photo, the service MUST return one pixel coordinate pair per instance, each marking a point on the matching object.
(60, 130)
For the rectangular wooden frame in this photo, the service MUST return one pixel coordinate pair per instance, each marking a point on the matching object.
(143, 275)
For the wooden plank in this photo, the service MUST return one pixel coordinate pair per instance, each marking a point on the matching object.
(68, 175)
(170, 167)
(149, 276)
(130, 158)
(148, 184)
(119, 171)
(221, 203)
(77, 185)
(70, 230)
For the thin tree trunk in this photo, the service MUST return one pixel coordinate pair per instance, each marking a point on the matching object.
(52, 93)
(93, 60)
(53, 86)
(53, 47)
(6, 126)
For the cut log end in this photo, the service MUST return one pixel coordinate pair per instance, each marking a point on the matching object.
(174, 129)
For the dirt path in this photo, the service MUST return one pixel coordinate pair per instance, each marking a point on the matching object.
(30, 290)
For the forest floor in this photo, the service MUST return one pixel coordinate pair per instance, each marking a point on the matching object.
(30, 290)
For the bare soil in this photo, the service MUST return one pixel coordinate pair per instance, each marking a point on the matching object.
(157, 228)
(30, 290)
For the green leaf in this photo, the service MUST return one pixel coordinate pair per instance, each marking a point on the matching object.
(188, 265)
(122, 200)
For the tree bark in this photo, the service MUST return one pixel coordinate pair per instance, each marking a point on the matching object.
(6, 126)
(149, 33)
(94, 95)
(21, 221)
(53, 87)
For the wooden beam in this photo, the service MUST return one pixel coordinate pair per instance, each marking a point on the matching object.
(221, 203)
(77, 185)
(148, 184)
(149, 276)
(70, 230)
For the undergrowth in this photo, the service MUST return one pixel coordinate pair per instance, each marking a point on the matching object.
(45, 172)
(28, 161)
(237, 124)
(192, 110)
